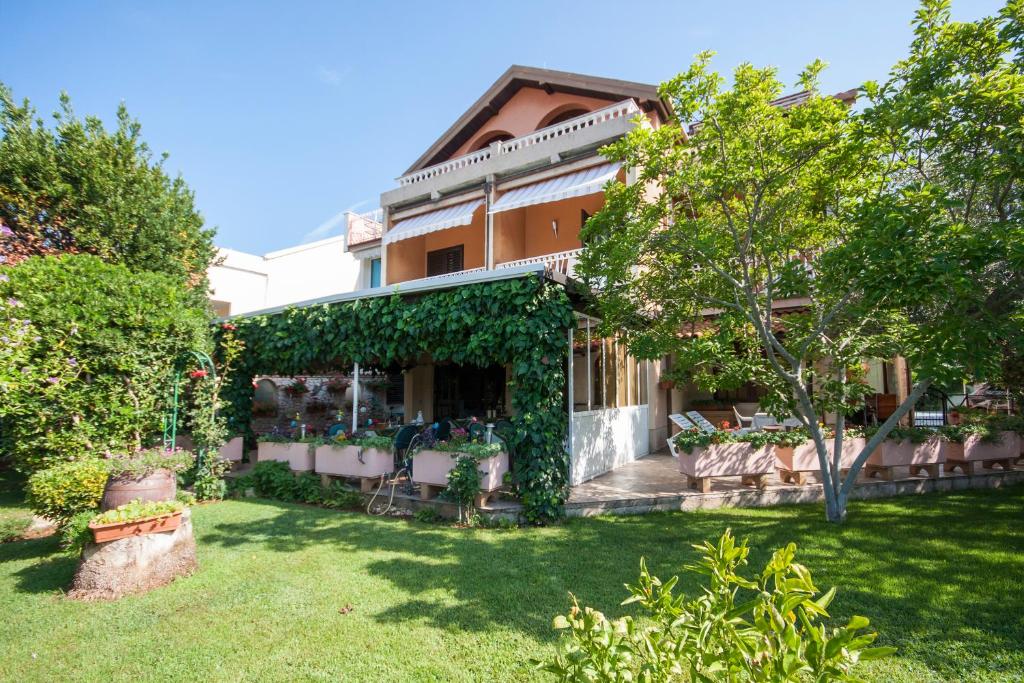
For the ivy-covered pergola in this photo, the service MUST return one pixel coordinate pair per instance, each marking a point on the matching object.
(521, 322)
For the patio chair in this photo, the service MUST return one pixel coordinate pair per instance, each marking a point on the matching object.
(701, 422)
(743, 420)
(443, 431)
(477, 430)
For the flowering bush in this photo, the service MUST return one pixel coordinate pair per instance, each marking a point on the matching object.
(298, 387)
(89, 352)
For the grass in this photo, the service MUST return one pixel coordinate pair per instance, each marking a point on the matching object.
(15, 517)
(939, 576)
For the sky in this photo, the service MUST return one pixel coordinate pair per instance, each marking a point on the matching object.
(281, 116)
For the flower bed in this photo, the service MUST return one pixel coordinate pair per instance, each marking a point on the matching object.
(749, 461)
(298, 455)
(967, 448)
(795, 461)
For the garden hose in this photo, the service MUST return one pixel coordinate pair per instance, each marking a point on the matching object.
(391, 498)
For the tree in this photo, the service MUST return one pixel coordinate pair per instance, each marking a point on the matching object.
(783, 242)
(79, 188)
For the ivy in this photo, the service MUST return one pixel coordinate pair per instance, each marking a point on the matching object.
(521, 323)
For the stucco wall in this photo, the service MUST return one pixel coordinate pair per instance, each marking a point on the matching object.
(407, 259)
(525, 111)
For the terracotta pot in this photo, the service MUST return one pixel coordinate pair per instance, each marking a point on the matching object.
(727, 460)
(158, 486)
(299, 456)
(432, 467)
(353, 461)
(101, 533)
(666, 384)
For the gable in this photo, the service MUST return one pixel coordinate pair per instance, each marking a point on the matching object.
(524, 99)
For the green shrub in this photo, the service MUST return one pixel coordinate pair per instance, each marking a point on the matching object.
(88, 353)
(61, 492)
(185, 497)
(736, 628)
(463, 485)
(308, 488)
(145, 462)
(427, 516)
(380, 443)
(899, 433)
(13, 528)
(75, 534)
(210, 484)
(340, 496)
(273, 479)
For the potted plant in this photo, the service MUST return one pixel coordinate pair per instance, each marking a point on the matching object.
(298, 454)
(666, 384)
(337, 385)
(297, 388)
(136, 519)
(913, 447)
(366, 457)
(147, 475)
(431, 466)
(703, 456)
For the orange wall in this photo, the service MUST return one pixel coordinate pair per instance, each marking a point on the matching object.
(407, 259)
(523, 113)
(540, 238)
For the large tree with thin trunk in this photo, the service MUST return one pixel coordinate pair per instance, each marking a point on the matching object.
(785, 241)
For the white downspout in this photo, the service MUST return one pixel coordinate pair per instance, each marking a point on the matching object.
(355, 398)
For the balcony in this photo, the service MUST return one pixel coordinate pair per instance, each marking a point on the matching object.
(563, 263)
(588, 131)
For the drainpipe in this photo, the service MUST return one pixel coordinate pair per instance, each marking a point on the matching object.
(355, 398)
(569, 371)
(488, 223)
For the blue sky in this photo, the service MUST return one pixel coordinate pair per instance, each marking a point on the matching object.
(282, 115)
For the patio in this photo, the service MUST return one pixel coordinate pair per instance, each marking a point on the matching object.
(654, 483)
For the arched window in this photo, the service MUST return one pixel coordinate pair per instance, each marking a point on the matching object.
(264, 398)
(562, 114)
(490, 139)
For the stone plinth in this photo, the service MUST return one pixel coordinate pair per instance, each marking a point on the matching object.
(136, 564)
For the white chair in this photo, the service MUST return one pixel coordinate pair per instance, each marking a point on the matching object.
(742, 420)
(701, 421)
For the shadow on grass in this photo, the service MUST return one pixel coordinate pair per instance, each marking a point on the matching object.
(938, 575)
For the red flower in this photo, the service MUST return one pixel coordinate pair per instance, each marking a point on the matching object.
(228, 326)
(196, 374)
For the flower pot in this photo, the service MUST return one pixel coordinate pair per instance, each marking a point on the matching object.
(299, 456)
(666, 384)
(102, 533)
(353, 461)
(432, 467)
(752, 465)
(232, 450)
(804, 458)
(158, 486)
(974, 451)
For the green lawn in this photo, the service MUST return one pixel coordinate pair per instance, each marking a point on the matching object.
(940, 576)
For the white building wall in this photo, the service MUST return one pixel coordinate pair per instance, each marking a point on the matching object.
(239, 280)
(605, 439)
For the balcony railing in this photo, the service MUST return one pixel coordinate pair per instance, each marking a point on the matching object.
(626, 109)
(563, 262)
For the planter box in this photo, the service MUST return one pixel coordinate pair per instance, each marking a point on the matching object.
(299, 456)
(925, 456)
(794, 462)
(431, 467)
(727, 460)
(102, 533)
(974, 452)
(232, 450)
(353, 461)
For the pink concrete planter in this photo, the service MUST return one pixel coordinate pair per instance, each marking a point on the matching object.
(973, 452)
(919, 457)
(727, 460)
(805, 458)
(432, 467)
(232, 450)
(353, 461)
(298, 455)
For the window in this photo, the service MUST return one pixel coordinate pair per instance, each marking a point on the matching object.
(375, 272)
(444, 261)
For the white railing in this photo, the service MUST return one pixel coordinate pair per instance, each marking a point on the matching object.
(563, 262)
(619, 110)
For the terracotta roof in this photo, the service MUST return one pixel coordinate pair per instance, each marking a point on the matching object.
(548, 80)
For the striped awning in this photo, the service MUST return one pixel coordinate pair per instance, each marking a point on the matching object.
(588, 181)
(448, 217)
